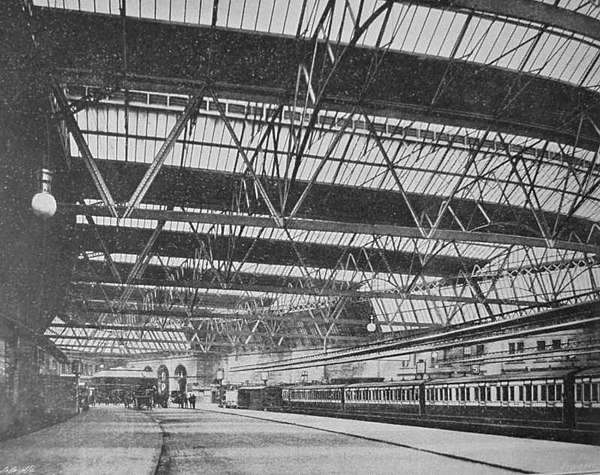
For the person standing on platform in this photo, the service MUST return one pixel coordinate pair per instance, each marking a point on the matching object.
(192, 400)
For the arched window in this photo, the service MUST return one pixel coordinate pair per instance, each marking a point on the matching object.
(181, 376)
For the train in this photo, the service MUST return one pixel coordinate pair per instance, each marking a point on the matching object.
(553, 404)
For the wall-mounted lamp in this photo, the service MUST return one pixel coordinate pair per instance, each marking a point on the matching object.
(43, 203)
(371, 327)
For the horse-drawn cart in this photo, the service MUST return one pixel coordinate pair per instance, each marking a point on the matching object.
(143, 400)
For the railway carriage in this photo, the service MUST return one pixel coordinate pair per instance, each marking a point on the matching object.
(587, 399)
(259, 398)
(314, 399)
(385, 400)
(524, 399)
(561, 404)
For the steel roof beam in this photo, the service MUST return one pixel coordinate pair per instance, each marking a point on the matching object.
(98, 307)
(182, 342)
(339, 227)
(96, 270)
(276, 252)
(94, 326)
(260, 67)
(325, 292)
(188, 113)
(528, 10)
(83, 147)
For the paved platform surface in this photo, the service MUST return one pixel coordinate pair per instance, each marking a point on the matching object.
(104, 440)
(214, 441)
(209, 440)
(525, 455)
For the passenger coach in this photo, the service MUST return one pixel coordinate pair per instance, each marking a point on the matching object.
(562, 404)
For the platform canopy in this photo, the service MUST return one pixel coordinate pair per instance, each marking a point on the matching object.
(273, 174)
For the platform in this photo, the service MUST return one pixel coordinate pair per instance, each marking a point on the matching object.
(103, 440)
(210, 440)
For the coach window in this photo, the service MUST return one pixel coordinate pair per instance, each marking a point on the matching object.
(587, 392)
(544, 395)
(511, 348)
(528, 392)
(559, 394)
(511, 393)
(551, 392)
(595, 391)
(504, 393)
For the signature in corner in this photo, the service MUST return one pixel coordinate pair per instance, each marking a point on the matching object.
(17, 469)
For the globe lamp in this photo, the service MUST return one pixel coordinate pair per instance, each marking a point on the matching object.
(43, 203)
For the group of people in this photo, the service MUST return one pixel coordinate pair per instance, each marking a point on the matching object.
(185, 401)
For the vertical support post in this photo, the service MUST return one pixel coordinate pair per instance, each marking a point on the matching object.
(220, 377)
